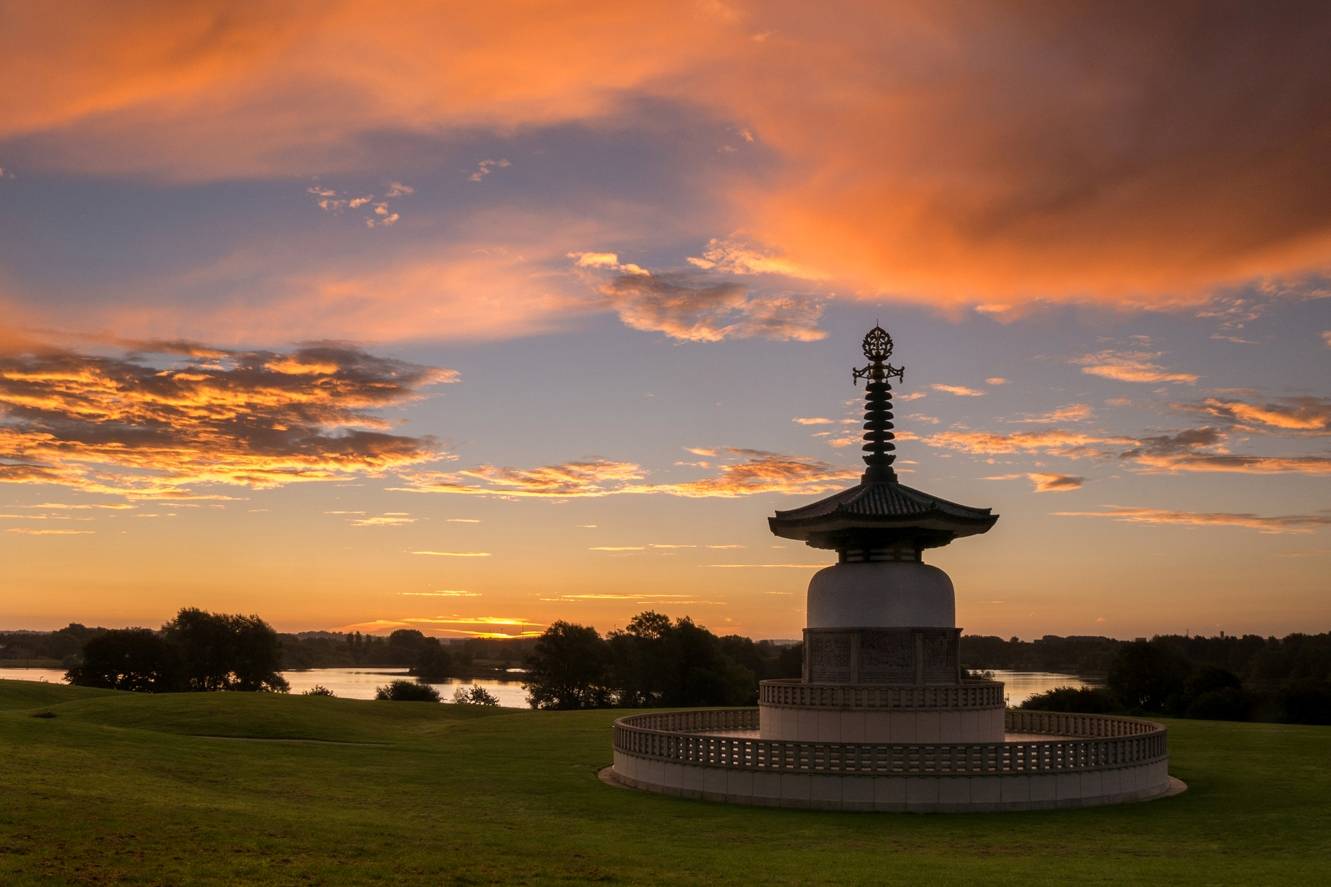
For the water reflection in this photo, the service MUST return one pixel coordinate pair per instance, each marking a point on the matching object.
(360, 683)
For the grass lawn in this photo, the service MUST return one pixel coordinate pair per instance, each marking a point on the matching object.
(240, 788)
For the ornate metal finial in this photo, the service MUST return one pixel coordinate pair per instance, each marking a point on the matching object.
(878, 447)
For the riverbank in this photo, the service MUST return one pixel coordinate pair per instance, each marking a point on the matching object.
(361, 682)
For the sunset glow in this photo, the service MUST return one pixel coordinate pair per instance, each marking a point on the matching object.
(467, 319)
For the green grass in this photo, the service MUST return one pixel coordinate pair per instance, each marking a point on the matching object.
(239, 788)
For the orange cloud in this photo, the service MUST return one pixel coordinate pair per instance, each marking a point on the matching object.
(750, 472)
(427, 553)
(496, 287)
(1130, 366)
(1291, 414)
(958, 390)
(42, 531)
(929, 158)
(124, 426)
(1289, 523)
(1076, 412)
(1054, 442)
(764, 472)
(1055, 483)
(697, 308)
(1225, 463)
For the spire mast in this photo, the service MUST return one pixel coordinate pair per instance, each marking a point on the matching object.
(879, 450)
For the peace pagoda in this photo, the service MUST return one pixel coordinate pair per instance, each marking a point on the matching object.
(884, 717)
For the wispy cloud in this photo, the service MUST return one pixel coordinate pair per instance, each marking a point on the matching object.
(486, 167)
(1055, 442)
(1130, 366)
(443, 592)
(813, 420)
(767, 566)
(1286, 414)
(958, 390)
(44, 531)
(738, 257)
(1076, 412)
(1289, 523)
(745, 472)
(1043, 483)
(694, 309)
(453, 553)
(1055, 483)
(391, 519)
(379, 214)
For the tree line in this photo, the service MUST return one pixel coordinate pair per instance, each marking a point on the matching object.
(1223, 678)
(656, 661)
(652, 662)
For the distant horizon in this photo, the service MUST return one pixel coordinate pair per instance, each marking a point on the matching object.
(794, 639)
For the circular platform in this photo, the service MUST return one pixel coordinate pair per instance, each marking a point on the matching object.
(970, 711)
(1048, 760)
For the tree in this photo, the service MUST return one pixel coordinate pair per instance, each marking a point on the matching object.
(225, 652)
(407, 691)
(474, 695)
(1148, 677)
(319, 690)
(569, 668)
(432, 663)
(128, 659)
(1091, 700)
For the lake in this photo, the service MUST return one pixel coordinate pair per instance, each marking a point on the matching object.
(360, 683)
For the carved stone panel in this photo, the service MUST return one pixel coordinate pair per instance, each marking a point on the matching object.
(887, 656)
(940, 653)
(829, 656)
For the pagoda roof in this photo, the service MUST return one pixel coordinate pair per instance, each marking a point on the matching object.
(881, 508)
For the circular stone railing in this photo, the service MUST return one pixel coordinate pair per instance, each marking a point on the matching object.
(950, 697)
(1077, 742)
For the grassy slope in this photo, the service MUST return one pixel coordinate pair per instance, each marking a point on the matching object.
(232, 787)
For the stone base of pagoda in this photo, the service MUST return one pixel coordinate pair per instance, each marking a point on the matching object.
(1049, 760)
(971, 711)
(882, 655)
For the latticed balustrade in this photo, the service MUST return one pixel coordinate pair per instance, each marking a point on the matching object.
(1077, 742)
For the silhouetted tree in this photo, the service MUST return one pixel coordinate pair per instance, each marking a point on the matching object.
(433, 663)
(1148, 677)
(128, 659)
(319, 690)
(1091, 700)
(225, 652)
(569, 668)
(407, 691)
(474, 695)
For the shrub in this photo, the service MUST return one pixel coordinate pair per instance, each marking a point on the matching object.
(1223, 704)
(474, 695)
(1088, 700)
(1306, 702)
(318, 690)
(407, 691)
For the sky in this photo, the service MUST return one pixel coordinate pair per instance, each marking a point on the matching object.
(468, 318)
